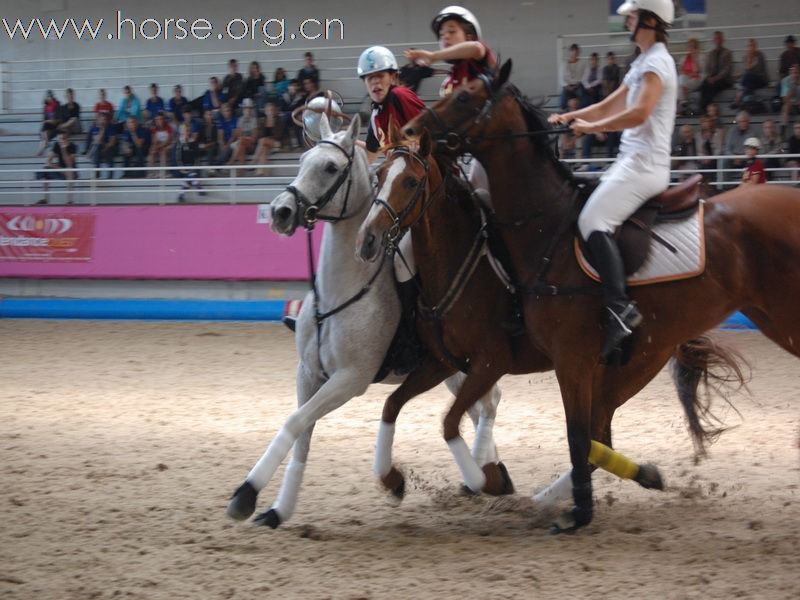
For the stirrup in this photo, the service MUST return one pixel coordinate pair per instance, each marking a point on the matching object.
(290, 322)
(620, 326)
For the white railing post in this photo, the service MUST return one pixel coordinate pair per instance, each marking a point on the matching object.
(3, 83)
(559, 62)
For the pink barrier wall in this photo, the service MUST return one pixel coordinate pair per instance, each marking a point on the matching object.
(174, 242)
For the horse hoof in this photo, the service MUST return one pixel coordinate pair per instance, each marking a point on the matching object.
(395, 483)
(508, 485)
(243, 502)
(271, 519)
(570, 521)
(649, 477)
(465, 490)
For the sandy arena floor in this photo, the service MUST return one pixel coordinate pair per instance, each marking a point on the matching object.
(121, 443)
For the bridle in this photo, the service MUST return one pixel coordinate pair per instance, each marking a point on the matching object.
(309, 212)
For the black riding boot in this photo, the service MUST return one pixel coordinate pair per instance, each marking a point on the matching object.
(407, 352)
(623, 316)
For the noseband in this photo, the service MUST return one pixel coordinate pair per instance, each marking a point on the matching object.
(309, 212)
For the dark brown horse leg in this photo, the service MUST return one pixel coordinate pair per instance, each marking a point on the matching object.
(428, 374)
(490, 479)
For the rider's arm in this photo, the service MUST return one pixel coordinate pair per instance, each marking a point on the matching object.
(464, 50)
(630, 117)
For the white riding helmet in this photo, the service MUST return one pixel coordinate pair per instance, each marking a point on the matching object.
(663, 9)
(459, 13)
(374, 60)
(752, 142)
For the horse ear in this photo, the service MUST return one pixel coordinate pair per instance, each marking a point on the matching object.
(324, 127)
(353, 129)
(394, 132)
(425, 144)
(502, 76)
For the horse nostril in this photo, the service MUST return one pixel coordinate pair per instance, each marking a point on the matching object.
(370, 242)
(282, 213)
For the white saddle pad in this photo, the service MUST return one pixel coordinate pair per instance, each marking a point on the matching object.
(677, 251)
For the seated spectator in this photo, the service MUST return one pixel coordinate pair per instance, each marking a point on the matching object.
(214, 97)
(129, 106)
(612, 74)
(288, 103)
(718, 71)
(207, 137)
(153, 106)
(686, 146)
(790, 56)
(573, 73)
(754, 74)
(690, 75)
(754, 167)
(309, 71)
(255, 85)
(161, 141)
(790, 94)
(310, 89)
(591, 82)
(246, 135)
(103, 105)
(226, 135)
(233, 84)
(70, 114)
(735, 141)
(177, 104)
(712, 111)
(101, 143)
(771, 143)
(61, 156)
(793, 147)
(268, 138)
(280, 83)
(710, 142)
(134, 146)
(186, 154)
(50, 122)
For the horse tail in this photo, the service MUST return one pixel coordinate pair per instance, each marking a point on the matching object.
(719, 369)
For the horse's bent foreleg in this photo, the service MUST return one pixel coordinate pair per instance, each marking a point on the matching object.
(428, 374)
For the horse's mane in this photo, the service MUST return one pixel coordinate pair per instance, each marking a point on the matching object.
(536, 120)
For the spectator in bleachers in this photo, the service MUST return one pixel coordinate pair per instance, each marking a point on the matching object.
(712, 111)
(734, 143)
(101, 143)
(790, 95)
(161, 142)
(280, 83)
(288, 103)
(153, 106)
(568, 142)
(754, 167)
(134, 146)
(177, 105)
(268, 138)
(70, 114)
(710, 141)
(790, 56)
(51, 119)
(129, 106)
(246, 135)
(754, 74)
(591, 82)
(612, 74)
(233, 84)
(186, 152)
(310, 89)
(309, 71)
(61, 156)
(718, 71)
(690, 75)
(771, 143)
(226, 135)
(207, 137)
(571, 79)
(255, 86)
(214, 97)
(103, 105)
(686, 145)
(793, 147)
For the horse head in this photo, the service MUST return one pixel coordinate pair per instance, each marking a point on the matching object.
(406, 180)
(322, 190)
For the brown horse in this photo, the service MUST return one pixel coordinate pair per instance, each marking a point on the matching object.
(463, 309)
(752, 258)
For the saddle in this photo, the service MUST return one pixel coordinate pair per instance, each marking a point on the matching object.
(634, 235)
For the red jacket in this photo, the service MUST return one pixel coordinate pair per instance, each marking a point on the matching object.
(401, 105)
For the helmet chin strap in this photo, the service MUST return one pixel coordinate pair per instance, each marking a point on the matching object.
(640, 24)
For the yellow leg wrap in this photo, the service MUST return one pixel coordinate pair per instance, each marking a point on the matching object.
(612, 461)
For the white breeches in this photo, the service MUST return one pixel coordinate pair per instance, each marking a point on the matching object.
(630, 182)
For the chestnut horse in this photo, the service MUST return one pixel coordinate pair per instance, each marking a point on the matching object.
(462, 309)
(752, 257)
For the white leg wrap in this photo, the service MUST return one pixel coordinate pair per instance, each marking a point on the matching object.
(269, 462)
(470, 471)
(558, 491)
(383, 450)
(287, 497)
(483, 447)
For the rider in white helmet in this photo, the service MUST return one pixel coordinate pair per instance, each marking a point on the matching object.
(643, 107)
